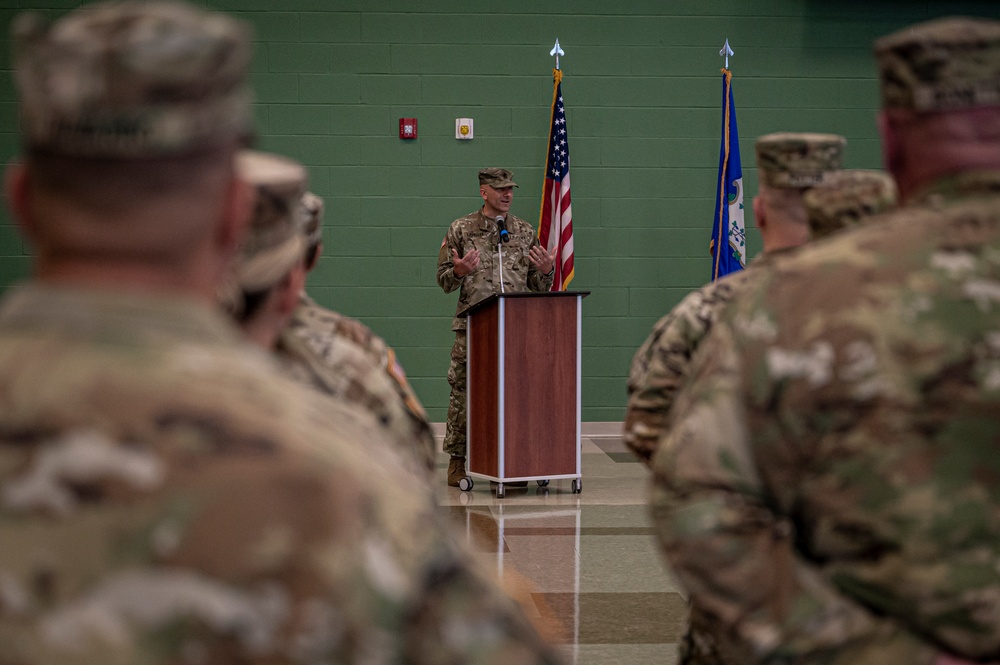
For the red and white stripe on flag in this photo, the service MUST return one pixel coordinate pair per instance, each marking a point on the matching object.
(555, 224)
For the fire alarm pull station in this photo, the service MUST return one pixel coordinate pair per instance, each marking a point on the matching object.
(407, 128)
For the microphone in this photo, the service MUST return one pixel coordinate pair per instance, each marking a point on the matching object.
(502, 225)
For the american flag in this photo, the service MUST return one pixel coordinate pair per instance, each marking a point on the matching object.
(555, 224)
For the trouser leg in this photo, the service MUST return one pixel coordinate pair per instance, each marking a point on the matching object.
(454, 438)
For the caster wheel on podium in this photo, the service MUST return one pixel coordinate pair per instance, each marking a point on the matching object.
(543, 483)
(500, 491)
(577, 485)
(465, 484)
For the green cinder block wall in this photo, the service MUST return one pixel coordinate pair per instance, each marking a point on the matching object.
(643, 94)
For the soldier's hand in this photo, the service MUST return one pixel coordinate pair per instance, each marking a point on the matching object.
(463, 265)
(541, 259)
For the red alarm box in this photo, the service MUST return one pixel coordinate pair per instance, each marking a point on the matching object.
(407, 128)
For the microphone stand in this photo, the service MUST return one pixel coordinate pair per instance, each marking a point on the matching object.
(502, 237)
(500, 257)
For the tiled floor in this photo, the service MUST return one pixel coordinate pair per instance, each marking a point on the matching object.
(585, 566)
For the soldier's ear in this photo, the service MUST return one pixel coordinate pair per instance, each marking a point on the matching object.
(313, 257)
(236, 212)
(759, 215)
(17, 190)
(891, 153)
(291, 288)
(482, 191)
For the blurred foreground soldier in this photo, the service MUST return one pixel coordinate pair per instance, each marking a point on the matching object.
(341, 356)
(847, 199)
(165, 496)
(469, 260)
(830, 489)
(268, 275)
(790, 164)
(269, 279)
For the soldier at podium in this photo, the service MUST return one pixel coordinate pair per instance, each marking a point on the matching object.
(470, 258)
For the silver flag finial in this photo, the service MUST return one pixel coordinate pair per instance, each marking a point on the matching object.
(557, 51)
(726, 51)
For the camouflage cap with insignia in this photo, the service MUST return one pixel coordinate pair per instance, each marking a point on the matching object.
(132, 79)
(798, 160)
(312, 218)
(948, 63)
(275, 241)
(497, 178)
(848, 198)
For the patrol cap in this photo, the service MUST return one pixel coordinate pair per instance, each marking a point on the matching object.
(311, 209)
(949, 63)
(275, 242)
(798, 160)
(847, 198)
(496, 178)
(132, 79)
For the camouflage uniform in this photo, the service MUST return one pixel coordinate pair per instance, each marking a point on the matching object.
(846, 199)
(658, 370)
(785, 160)
(828, 492)
(796, 162)
(343, 357)
(476, 231)
(165, 495)
(660, 366)
(307, 345)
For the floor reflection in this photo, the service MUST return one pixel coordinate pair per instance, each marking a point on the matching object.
(585, 566)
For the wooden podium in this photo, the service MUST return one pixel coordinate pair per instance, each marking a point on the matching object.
(523, 389)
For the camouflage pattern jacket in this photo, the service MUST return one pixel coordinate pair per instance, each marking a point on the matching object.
(661, 364)
(830, 489)
(344, 358)
(166, 497)
(476, 231)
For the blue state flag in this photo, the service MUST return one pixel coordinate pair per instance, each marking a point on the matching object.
(729, 242)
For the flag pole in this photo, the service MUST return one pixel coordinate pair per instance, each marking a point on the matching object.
(725, 52)
(556, 80)
(555, 218)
